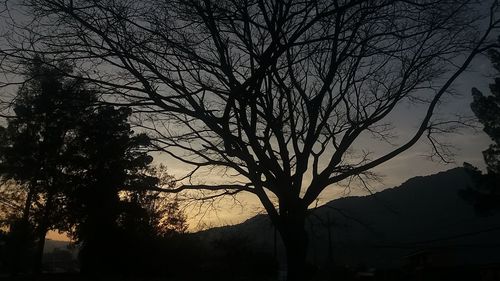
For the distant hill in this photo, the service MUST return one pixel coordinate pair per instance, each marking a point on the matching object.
(387, 228)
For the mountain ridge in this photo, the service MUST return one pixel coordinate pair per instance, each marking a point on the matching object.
(422, 213)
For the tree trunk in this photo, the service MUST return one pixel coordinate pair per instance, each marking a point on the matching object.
(40, 245)
(41, 233)
(27, 205)
(296, 242)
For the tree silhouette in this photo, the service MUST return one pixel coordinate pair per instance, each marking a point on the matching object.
(113, 159)
(486, 194)
(70, 158)
(18, 247)
(34, 149)
(157, 212)
(12, 198)
(278, 95)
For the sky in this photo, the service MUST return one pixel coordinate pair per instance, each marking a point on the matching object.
(467, 147)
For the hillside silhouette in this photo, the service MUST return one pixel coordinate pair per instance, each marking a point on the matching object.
(384, 230)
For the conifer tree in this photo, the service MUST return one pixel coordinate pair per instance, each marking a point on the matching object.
(486, 194)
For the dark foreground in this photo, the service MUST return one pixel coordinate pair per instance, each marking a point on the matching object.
(472, 273)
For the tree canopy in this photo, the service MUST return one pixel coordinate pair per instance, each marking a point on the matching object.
(486, 194)
(69, 164)
(35, 149)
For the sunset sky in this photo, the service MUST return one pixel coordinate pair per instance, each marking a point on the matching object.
(468, 145)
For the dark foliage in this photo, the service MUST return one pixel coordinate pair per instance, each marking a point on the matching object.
(36, 149)
(17, 249)
(80, 168)
(485, 195)
(111, 160)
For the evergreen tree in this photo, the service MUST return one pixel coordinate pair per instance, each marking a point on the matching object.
(76, 164)
(486, 194)
(112, 160)
(34, 149)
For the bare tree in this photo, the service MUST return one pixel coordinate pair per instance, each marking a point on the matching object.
(276, 93)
